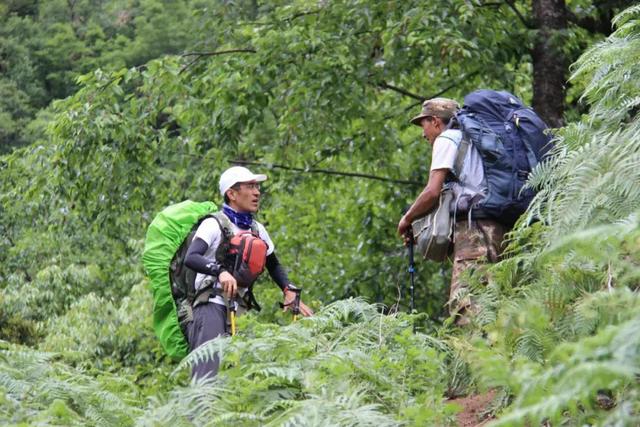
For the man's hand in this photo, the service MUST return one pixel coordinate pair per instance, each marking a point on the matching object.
(229, 284)
(404, 228)
(289, 298)
(424, 203)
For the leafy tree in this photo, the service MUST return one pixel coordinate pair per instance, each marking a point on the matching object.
(47, 45)
(303, 87)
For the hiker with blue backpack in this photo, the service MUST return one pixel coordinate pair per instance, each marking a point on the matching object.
(481, 157)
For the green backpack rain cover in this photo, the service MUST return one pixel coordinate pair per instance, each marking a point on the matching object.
(165, 234)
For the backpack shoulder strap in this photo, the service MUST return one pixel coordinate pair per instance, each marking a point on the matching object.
(460, 155)
(463, 146)
(255, 230)
(227, 229)
(225, 224)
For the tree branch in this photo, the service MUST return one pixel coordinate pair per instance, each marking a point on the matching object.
(454, 84)
(334, 150)
(220, 52)
(138, 68)
(385, 85)
(512, 5)
(200, 55)
(435, 95)
(327, 172)
(301, 14)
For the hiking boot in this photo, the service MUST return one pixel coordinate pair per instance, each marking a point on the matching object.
(605, 399)
(465, 315)
(462, 320)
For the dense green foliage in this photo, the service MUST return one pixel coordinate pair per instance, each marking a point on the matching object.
(46, 45)
(573, 281)
(309, 85)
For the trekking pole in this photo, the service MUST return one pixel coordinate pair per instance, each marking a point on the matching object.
(296, 304)
(411, 271)
(232, 312)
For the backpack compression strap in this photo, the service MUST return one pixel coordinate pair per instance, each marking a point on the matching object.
(531, 157)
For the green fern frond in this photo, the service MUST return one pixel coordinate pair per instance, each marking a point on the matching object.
(574, 373)
(349, 362)
(46, 386)
(623, 17)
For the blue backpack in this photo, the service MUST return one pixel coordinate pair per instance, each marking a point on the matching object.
(511, 140)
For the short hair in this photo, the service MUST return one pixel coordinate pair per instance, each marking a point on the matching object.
(235, 186)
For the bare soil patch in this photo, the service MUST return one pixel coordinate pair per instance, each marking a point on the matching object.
(473, 409)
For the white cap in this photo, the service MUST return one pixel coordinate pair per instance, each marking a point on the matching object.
(237, 174)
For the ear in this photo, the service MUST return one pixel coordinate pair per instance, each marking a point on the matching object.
(231, 194)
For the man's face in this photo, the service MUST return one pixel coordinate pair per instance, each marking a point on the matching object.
(431, 128)
(245, 197)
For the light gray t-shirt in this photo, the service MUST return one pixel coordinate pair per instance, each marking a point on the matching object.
(471, 182)
(209, 231)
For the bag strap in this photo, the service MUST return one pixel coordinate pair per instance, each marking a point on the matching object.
(250, 300)
(227, 229)
(204, 295)
(460, 155)
(254, 228)
(225, 224)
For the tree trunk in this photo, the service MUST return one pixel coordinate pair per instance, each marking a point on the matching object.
(549, 63)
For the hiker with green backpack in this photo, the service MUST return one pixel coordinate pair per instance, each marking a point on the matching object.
(220, 293)
(202, 264)
(481, 157)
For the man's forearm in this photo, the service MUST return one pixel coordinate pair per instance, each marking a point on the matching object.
(277, 271)
(196, 260)
(428, 199)
(423, 204)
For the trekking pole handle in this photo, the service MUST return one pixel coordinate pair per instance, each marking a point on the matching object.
(296, 301)
(233, 308)
(295, 304)
(410, 247)
(409, 235)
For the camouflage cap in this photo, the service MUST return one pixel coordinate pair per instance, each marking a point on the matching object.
(444, 108)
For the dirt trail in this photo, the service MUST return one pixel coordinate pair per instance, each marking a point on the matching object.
(473, 408)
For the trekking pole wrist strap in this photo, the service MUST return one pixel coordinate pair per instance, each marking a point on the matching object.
(290, 287)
